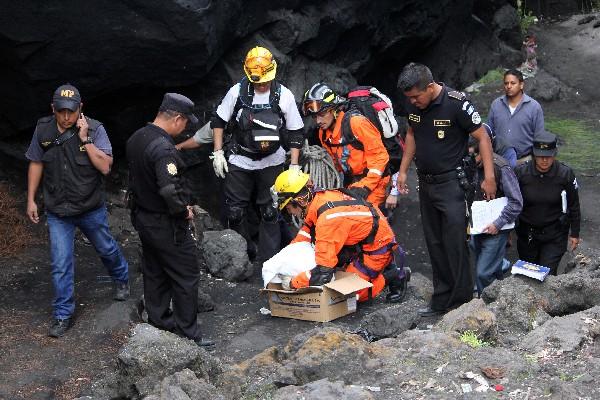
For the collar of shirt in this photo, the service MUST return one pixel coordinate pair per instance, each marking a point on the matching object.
(551, 172)
(438, 100)
(161, 131)
(525, 99)
(334, 135)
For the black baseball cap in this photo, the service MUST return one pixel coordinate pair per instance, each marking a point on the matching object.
(544, 144)
(66, 97)
(179, 103)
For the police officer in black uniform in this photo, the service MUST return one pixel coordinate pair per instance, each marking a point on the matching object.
(550, 206)
(441, 120)
(161, 214)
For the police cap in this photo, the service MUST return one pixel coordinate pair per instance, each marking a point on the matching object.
(66, 97)
(544, 144)
(179, 103)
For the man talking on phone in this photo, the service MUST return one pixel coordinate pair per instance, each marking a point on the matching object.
(69, 155)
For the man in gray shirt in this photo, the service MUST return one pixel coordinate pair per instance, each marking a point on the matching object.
(515, 117)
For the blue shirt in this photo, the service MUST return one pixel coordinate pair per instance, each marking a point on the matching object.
(519, 128)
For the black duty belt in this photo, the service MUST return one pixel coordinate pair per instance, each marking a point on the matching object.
(437, 178)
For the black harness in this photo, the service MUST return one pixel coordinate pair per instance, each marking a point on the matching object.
(356, 251)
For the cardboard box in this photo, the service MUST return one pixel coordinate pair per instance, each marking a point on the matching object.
(315, 303)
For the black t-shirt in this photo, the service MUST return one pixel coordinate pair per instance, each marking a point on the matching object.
(442, 131)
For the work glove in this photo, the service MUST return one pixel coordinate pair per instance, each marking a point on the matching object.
(320, 275)
(358, 192)
(286, 282)
(295, 167)
(219, 163)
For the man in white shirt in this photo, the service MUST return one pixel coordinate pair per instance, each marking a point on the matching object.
(261, 115)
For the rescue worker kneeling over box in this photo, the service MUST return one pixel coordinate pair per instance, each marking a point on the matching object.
(348, 233)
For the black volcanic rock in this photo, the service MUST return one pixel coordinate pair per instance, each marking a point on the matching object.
(124, 55)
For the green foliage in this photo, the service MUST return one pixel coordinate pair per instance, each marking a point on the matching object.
(531, 358)
(492, 76)
(590, 6)
(470, 338)
(526, 18)
(579, 142)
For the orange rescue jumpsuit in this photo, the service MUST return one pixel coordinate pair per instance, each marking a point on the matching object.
(346, 226)
(365, 167)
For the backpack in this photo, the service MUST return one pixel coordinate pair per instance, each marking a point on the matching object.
(260, 126)
(377, 108)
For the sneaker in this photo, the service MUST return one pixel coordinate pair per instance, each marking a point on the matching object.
(121, 291)
(59, 327)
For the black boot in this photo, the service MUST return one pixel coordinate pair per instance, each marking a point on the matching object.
(397, 286)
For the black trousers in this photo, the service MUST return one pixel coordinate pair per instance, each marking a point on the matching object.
(240, 184)
(543, 247)
(443, 215)
(171, 272)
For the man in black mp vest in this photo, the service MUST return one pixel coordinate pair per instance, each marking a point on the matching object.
(73, 153)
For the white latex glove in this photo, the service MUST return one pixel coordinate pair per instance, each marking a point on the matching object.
(295, 167)
(219, 163)
(285, 282)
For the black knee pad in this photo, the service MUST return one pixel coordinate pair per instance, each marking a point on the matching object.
(235, 216)
(269, 214)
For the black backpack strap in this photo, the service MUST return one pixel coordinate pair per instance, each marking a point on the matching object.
(347, 134)
(244, 97)
(275, 96)
(60, 140)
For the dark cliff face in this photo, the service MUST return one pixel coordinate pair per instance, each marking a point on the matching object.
(124, 55)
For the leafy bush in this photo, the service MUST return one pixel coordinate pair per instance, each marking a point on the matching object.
(526, 18)
(470, 338)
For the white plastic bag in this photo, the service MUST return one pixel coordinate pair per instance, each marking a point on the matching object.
(290, 261)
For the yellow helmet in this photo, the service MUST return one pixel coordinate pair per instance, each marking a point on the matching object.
(287, 185)
(259, 65)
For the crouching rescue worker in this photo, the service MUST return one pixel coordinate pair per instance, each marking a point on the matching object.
(348, 233)
(352, 141)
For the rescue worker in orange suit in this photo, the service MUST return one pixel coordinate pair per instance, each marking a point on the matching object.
(348, 233)
(364, 170)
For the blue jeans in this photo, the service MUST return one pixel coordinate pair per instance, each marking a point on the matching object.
(94, 225)
(489, 253)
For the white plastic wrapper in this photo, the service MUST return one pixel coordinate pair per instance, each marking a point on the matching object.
(289, 262)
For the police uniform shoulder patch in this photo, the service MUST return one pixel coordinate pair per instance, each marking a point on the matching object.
(455, 94)
(475, 118)
(172, 169)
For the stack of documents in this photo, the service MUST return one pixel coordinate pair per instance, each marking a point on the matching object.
(484, 213)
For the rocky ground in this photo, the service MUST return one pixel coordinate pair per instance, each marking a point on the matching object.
(535, 340)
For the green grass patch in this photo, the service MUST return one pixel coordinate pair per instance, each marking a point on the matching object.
(578, 140)
(470, 338)
(492, 76)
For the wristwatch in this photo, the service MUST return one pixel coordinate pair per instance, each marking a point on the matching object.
(89, 140)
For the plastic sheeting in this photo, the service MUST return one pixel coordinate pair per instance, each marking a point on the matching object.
(290, 261)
